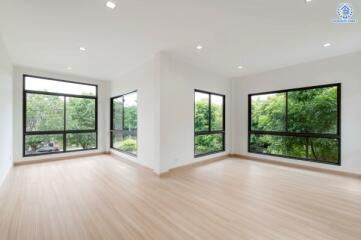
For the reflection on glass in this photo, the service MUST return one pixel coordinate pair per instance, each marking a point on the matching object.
(118, 113)
(42, 144)
(44, 112)
(201, 112)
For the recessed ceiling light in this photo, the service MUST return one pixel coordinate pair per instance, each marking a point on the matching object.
(82, 49)
(69, 68)
(111, 5)
(308, 1)
(240, 67)
(199, 47)
(327, 45)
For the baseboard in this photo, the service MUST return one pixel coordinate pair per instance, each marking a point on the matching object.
(45, 160)
(193, 165)
(3, 178)
(293, 165)
(132, 163)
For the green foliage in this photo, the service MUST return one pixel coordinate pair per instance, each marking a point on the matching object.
(46, 113)
(212, 142)
(314, 110)
(80, 114)
(127, 144)
(130, 118)
(34, 142)
(208, 143)
(125, 121)
(118, 113)
(201, 115)
(309, 111)
(81, 141)
(269, 114)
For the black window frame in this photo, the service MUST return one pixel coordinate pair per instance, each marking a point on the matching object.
(286, 133)
(209, 131)
(58, 132)
(112, 130)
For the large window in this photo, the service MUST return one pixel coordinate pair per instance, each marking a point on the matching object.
(298, 123)
(209, 123)
(124, 123)
(59, 116)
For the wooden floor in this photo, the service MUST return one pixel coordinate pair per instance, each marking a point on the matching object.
(104, 198)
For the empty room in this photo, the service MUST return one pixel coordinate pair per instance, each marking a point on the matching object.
(180, 120)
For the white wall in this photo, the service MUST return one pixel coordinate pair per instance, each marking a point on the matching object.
(165, 110)
(343, 69)
(144, 79)
(178, 82)
(6, 120)
(103, 111)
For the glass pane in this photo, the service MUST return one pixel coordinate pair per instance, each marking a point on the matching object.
(268, 112)
(43, 144)
(313, 110)
(279, 145)
(80, 113)
(201, 122)
(130, 112)
(118, 113)
(208, 143)
(80, 141)
(323, 149)
(44, 112)
(267, 144)
(126, 142)
(217, 112)
(45, 85)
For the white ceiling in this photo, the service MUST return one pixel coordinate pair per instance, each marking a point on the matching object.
(258, 34)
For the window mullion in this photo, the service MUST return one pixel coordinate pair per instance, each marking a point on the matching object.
(123, 101)
(64, 135)
(209, 113)
(286, 115)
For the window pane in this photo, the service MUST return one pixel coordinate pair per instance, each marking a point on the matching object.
(208, 143)
(268, 112)
(279, 145)
(313, 110)
(118, 113)
(267, 144)
(42, 144)
(323, 149)
(45, 85)
(80, 113)
(201, 112)
(44, 112)
(80, 141)
(130, 112)
(126, 142)
(217, 112)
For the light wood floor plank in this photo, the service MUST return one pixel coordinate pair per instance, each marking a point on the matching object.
(100, 197)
